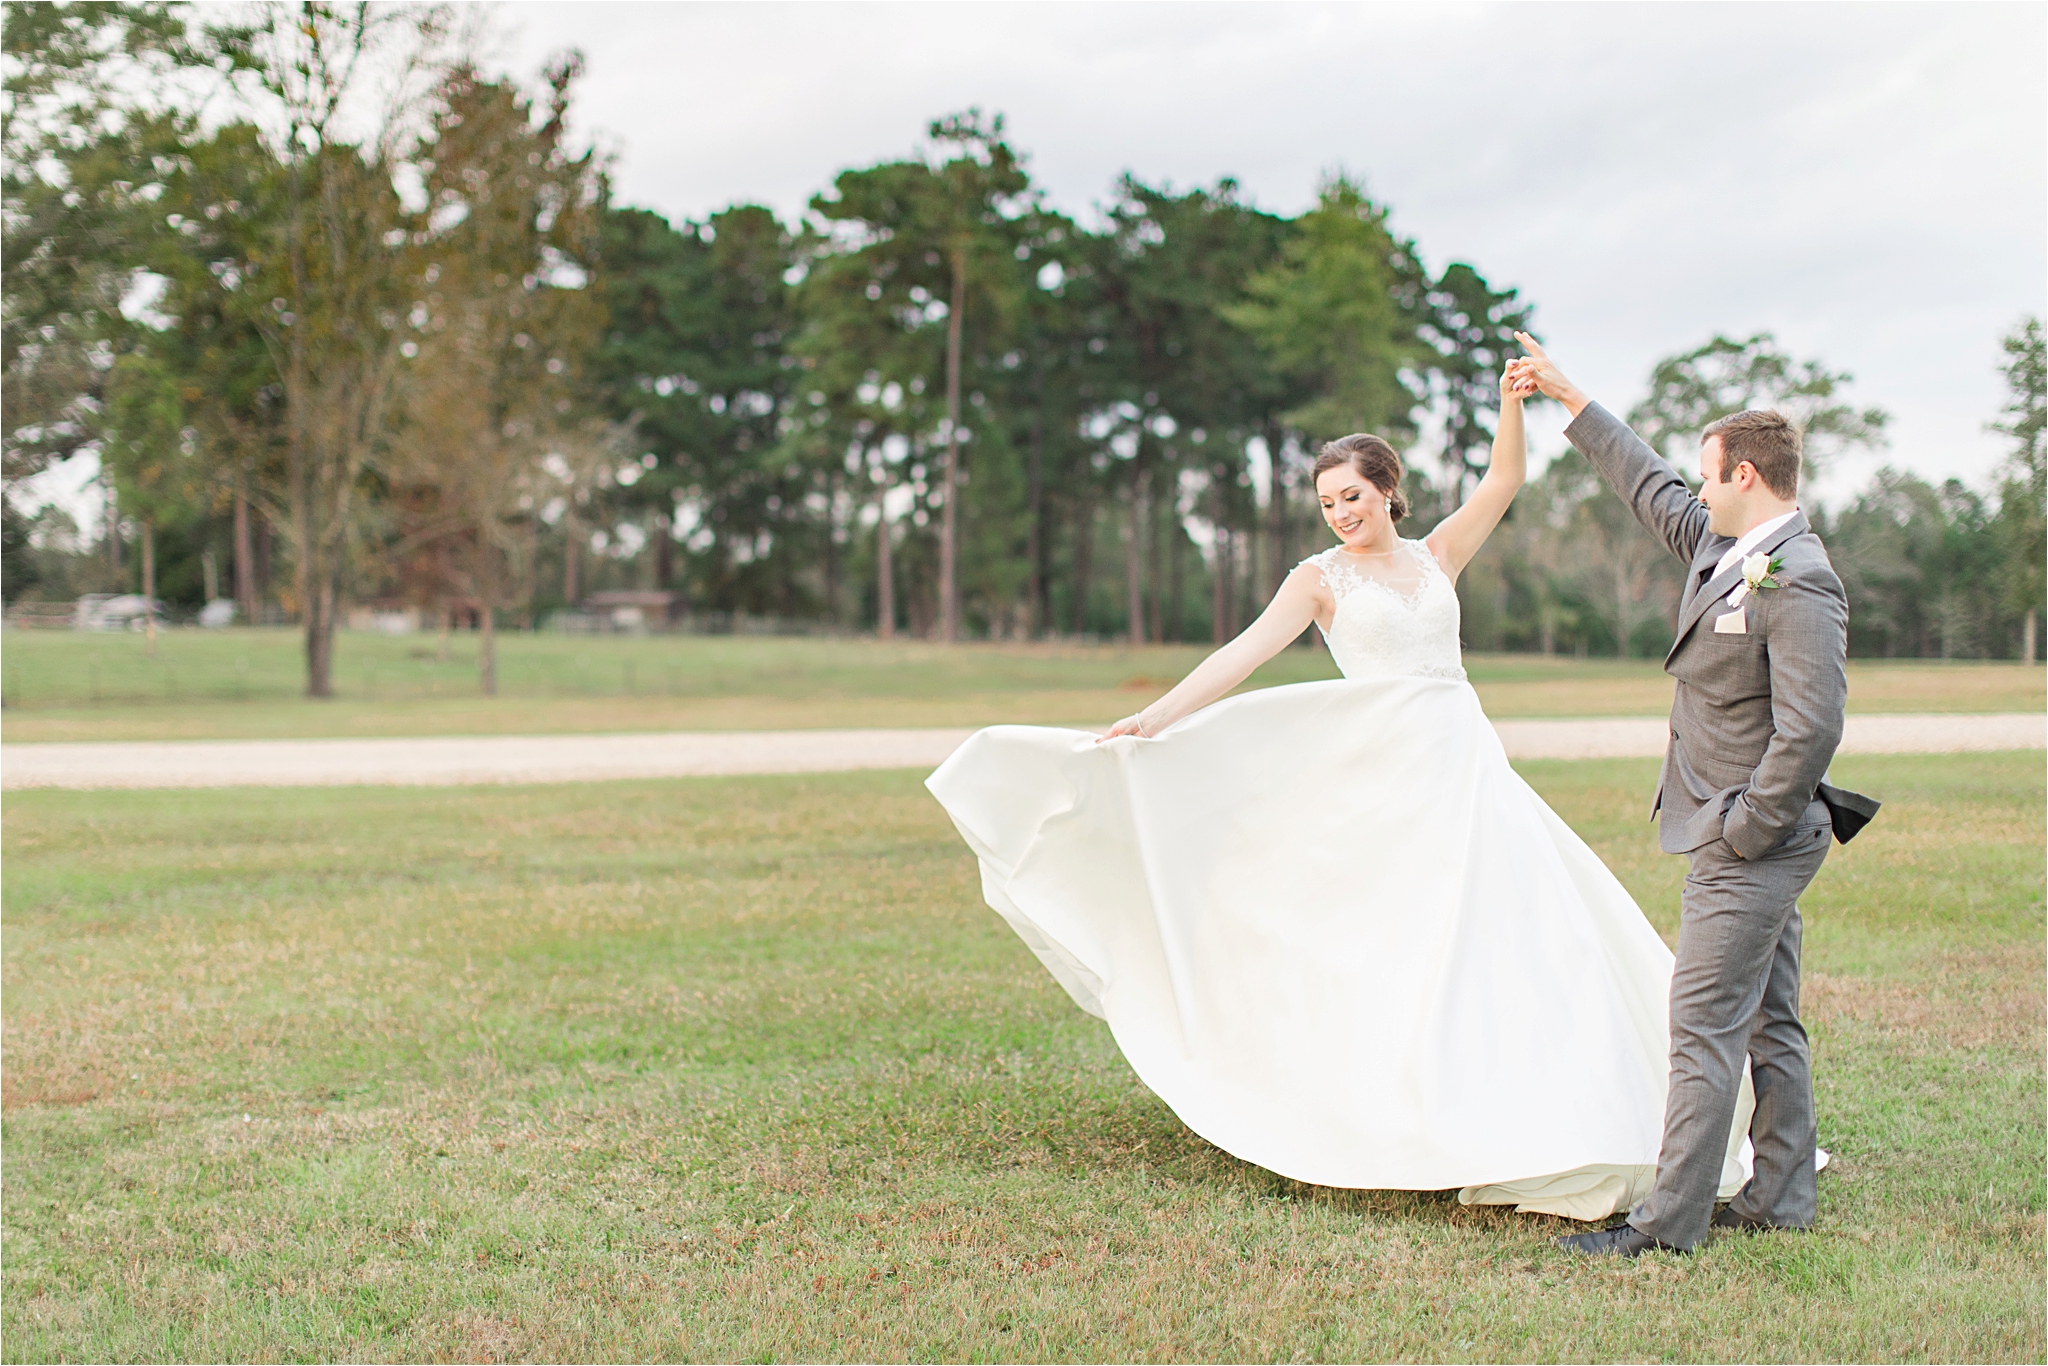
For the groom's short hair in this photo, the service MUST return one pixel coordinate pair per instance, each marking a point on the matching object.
(1765, 438)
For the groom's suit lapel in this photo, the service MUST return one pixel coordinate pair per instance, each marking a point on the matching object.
(1722, 584)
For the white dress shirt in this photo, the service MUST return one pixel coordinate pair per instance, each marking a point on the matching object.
(1750, 540)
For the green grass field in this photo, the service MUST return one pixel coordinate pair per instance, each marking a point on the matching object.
(63, 685)
(741, 1069)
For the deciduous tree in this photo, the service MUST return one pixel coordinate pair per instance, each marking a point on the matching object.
(1689, 391)
(2023, 494)
(505, 320)
(343, 91)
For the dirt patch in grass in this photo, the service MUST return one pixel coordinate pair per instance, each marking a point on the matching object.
(1990, 998)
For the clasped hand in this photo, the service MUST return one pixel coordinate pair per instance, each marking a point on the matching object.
(1538, 373)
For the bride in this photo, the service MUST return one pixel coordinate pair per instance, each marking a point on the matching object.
(1327, 923)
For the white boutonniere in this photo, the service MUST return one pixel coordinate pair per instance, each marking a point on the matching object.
(1757, 574)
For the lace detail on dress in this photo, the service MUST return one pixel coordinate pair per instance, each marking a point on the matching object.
(1396, 615)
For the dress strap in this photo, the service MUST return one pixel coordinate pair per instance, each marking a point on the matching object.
(1339, 576)
(1430, 563)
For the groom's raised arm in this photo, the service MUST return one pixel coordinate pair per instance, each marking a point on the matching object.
(1645, 480)
(1658, 495)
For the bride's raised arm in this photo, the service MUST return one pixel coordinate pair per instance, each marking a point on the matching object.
(1457, 538)
(1298, 603)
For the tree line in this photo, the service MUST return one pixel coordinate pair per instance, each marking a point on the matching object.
(344, 319)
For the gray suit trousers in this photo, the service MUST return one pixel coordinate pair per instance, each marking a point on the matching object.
(1735, 993)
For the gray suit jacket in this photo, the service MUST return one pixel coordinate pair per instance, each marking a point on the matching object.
(1757, 715)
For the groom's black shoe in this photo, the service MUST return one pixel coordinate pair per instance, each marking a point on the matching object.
(1623, 1240)
(1726, 1218)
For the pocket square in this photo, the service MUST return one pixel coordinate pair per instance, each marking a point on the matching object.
(1731, 624)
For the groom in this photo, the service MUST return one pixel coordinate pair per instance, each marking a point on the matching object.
(1759, 659)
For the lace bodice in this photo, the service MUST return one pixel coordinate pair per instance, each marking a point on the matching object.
(1396, 614)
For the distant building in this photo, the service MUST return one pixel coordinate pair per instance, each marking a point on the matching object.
(385, 619)
(630, 610)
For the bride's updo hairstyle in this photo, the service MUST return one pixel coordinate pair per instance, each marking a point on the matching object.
(1374, 460)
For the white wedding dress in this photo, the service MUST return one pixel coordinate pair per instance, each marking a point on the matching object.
(1336, 932)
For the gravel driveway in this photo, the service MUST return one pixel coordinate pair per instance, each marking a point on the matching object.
(446, 760)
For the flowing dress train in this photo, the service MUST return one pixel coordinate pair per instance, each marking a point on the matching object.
(1337, 934)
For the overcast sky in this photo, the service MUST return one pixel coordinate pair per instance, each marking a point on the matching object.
(1869, 182)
